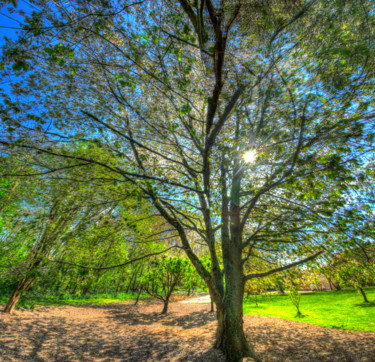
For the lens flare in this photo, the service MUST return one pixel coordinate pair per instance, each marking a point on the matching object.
(249, 156)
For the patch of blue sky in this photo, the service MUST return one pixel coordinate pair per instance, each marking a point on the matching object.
(12, 20)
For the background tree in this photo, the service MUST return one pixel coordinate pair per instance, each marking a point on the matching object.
(258, 286)
(163, 276)
(52, 214)
(192, 280)
(355, 268)
(294, 281)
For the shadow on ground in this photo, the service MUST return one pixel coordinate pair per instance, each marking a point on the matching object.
(365, 305)
(104, 333)
(124, 332)
(281, 340)
(132, 316)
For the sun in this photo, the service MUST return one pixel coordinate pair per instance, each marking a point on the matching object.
(250, 156)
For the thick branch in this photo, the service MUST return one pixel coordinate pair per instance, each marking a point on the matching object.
(113, 266)
(272, 271)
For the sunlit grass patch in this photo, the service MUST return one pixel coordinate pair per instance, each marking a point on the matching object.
(334, 309)
(31, 300)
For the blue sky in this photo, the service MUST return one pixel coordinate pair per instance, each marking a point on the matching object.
(10, 20)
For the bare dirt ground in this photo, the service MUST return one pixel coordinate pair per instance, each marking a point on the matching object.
(203, 298)
(124, 332)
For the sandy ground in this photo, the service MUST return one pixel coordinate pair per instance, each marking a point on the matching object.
(124, 332)
(205, 298)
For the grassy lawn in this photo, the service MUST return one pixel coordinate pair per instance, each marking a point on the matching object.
(334, 309)
(67, 299)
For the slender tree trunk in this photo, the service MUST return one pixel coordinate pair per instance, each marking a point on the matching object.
(139, 293)
(22, 286)
(86, 289)
(166, 302)
(74, 289)
(131, 280)
(135, 282)
(330, 283)
(119, 285)
(360, 289)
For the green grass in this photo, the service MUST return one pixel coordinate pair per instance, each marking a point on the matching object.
(67, 299)
(334, 309)
(97, 299)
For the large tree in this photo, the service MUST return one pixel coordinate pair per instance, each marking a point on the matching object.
(242, 122)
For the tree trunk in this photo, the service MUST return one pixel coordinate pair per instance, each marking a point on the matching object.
(139, 293)
(330, 284)
(135, 282)
(165, 308)
(230, 336)
(336, 285)
(85, 290)
(131, 280)
(133, 287)
(360, 289)
(73, 290)
(22, 286)
(119, 285)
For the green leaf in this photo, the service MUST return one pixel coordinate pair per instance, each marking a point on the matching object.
(20, 65)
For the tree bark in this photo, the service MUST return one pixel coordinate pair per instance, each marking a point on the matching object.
(281, 289)
(333, 284)
(230, 336)
(73, 289)
(133, 287)
(360, 289)
(85, 290)
(119, 285)
(131, 280)
(22, 286)
(337, 286)
(165, 308)
(330, 284)
(139, 293)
